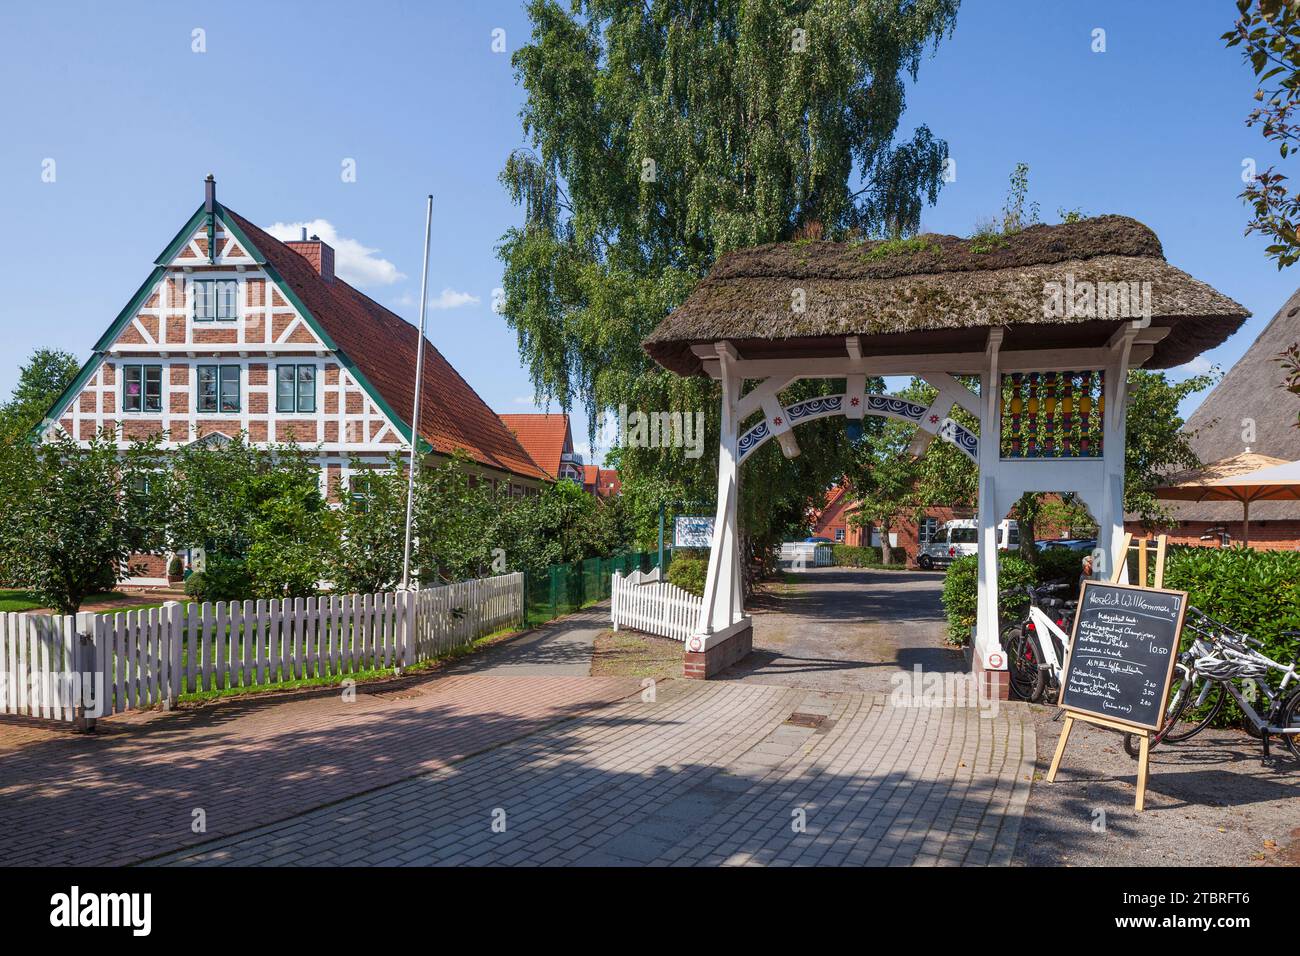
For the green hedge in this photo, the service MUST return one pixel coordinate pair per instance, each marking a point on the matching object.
(688, 573)
(960, 594)
(1060, 564)
(848, 556)
(1253, 591)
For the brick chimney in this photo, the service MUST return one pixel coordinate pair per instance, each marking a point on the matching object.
(319, 253)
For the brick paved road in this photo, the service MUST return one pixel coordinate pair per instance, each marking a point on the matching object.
(131, 792)
(709, 773)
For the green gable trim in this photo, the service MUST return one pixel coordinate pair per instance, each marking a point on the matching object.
(97, 356)
(181, 239)
(244, 242)
(403, 426)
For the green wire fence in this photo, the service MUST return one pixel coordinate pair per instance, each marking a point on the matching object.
(565, 588)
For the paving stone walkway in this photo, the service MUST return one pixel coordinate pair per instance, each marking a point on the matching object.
(706, 773)
(136, 789)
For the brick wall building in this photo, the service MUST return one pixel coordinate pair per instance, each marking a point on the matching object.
(235, 331)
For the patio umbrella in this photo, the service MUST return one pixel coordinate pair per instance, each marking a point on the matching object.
(1246, 478)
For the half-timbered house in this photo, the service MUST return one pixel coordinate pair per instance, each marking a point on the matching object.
(236, 331)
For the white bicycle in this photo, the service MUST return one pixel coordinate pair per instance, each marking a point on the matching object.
(1036, 645)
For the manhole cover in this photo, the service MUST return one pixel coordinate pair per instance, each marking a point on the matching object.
(806, 720)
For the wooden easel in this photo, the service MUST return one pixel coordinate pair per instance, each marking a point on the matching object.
(1144, 753)
(1144, 736)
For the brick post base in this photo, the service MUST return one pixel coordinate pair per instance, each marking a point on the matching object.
(701, 665)
(993, 684)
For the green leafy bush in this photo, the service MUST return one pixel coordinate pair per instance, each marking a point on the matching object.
(688, 573)
(1254, 591)
(224, 579)
(960, 594)
(850, 556)
(1060, 564)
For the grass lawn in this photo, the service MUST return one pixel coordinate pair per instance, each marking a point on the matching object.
(632, 654)
(15, 600)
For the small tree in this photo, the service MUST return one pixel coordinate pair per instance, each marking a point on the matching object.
(74, 515)
(371, 528)
(40, 382)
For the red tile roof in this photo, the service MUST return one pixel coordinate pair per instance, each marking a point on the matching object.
(603, 482)
(545, 438)
(382, 345)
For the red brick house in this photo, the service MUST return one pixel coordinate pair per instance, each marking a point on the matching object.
(548, 439)
(601, 482)
(235, 331)
(833, 522)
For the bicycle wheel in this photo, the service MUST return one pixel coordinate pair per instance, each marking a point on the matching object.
(1024, 672)
(1183, 718)
(1291, 718)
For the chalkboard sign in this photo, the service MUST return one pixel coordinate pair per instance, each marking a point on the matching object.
(1122, 653)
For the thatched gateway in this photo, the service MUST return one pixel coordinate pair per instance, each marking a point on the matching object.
(1049, 318)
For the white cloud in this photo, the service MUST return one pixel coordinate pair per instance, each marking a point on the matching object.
(1197, 366)
(353, 262)
(451, 299)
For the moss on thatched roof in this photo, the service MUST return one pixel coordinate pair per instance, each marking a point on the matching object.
(932, 284)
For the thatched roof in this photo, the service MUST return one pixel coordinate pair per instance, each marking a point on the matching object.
(1250, 391)
(938, 293)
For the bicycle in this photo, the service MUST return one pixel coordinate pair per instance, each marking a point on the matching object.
(1036, 646)
(1206, 674)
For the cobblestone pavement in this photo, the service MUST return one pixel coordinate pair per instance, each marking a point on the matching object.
(136, 789)
(850, 629)
(707, 773)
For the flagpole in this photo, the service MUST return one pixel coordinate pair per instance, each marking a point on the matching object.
(415, 412)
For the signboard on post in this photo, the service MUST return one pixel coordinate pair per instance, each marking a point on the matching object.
(1120, 663)
(693, 531)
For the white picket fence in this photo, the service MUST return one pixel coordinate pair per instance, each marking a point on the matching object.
(647, 603)
(94, 665)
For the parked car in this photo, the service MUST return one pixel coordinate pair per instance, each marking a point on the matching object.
(1073, 544)
(960, 537)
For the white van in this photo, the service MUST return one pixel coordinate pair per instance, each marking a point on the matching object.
(960, 537)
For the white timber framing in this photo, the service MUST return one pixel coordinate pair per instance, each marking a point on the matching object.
(1097, 481)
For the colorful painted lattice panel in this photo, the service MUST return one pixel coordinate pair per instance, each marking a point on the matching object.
(1052, 414)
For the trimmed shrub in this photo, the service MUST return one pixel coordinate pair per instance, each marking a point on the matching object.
(688, 573)
(849, 556)
(224, 580)
(1253, 591)
(1060, 564)
(960, 594)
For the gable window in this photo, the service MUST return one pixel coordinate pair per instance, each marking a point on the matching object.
(295, 388)
(216, 300)
(142, 388)
(218, 388)
(839, 535)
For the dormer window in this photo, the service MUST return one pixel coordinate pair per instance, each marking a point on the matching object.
(216, 300)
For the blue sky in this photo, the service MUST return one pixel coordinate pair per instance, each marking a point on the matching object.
(412, 92)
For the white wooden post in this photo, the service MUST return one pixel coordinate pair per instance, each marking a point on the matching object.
(174, 639)
(85, 670)
(990, 456)
(1110, 523)
(722, 605)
